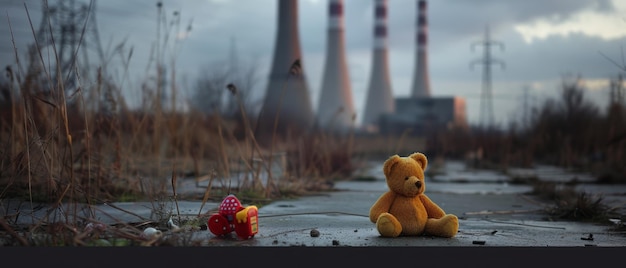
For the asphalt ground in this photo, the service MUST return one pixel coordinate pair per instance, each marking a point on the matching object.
(491, 214)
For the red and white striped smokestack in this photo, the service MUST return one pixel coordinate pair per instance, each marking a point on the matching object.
(380, 24)
(379, 94)
(335, 110)
(421, 79)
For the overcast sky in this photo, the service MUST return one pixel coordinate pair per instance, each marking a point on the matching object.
(544, 40)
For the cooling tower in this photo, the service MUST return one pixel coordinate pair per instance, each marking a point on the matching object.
(379, 94)
(287, 96)
(421, 80)
(335, 110)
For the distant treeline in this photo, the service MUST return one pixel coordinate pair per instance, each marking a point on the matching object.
(568, 131)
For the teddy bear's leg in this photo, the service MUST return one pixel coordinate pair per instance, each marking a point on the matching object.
(446, 226)
(388, 225)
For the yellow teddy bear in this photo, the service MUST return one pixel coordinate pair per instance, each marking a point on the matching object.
(405, 209)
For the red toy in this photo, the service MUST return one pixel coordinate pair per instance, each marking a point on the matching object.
(233, 216)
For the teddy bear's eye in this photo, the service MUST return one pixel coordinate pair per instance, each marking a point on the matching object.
(406, 178)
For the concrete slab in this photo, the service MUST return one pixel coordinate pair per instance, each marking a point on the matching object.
(491, 214)
(341, 220)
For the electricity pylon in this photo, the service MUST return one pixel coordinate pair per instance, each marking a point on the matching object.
(486, 105)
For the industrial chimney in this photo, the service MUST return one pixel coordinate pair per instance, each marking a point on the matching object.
(421, 81)
(379, 94)
(335, 110)
(287, 97)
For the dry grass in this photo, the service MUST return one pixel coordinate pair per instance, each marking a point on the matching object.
(82, 145)
(569, 204)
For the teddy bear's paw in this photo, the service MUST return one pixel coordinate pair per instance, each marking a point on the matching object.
(388, 225)
(447, 226)
(450, 225)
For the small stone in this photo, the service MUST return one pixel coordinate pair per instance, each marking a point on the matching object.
(335, 242)
(478, 242)
(150, 233)
(315, 233)
(590, 237)
(356, 231)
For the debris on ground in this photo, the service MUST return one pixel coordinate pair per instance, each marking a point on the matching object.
(315, 233)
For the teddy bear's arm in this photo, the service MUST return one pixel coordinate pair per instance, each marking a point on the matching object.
(382, 205)
(433, 210)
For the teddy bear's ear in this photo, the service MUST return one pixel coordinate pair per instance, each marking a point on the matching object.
(390, 163)
(421, 159)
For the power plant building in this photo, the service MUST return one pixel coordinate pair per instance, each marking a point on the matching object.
(422, 116)
(335, 111)
(420, 113)
(287, 99)
(379, 93)
(421, 78)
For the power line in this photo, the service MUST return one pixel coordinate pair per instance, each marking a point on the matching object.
(497, 96)
(486, 105)
(616, 91)
(526, 110)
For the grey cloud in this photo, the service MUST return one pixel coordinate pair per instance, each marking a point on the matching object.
(605, 6)
(458, 19)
